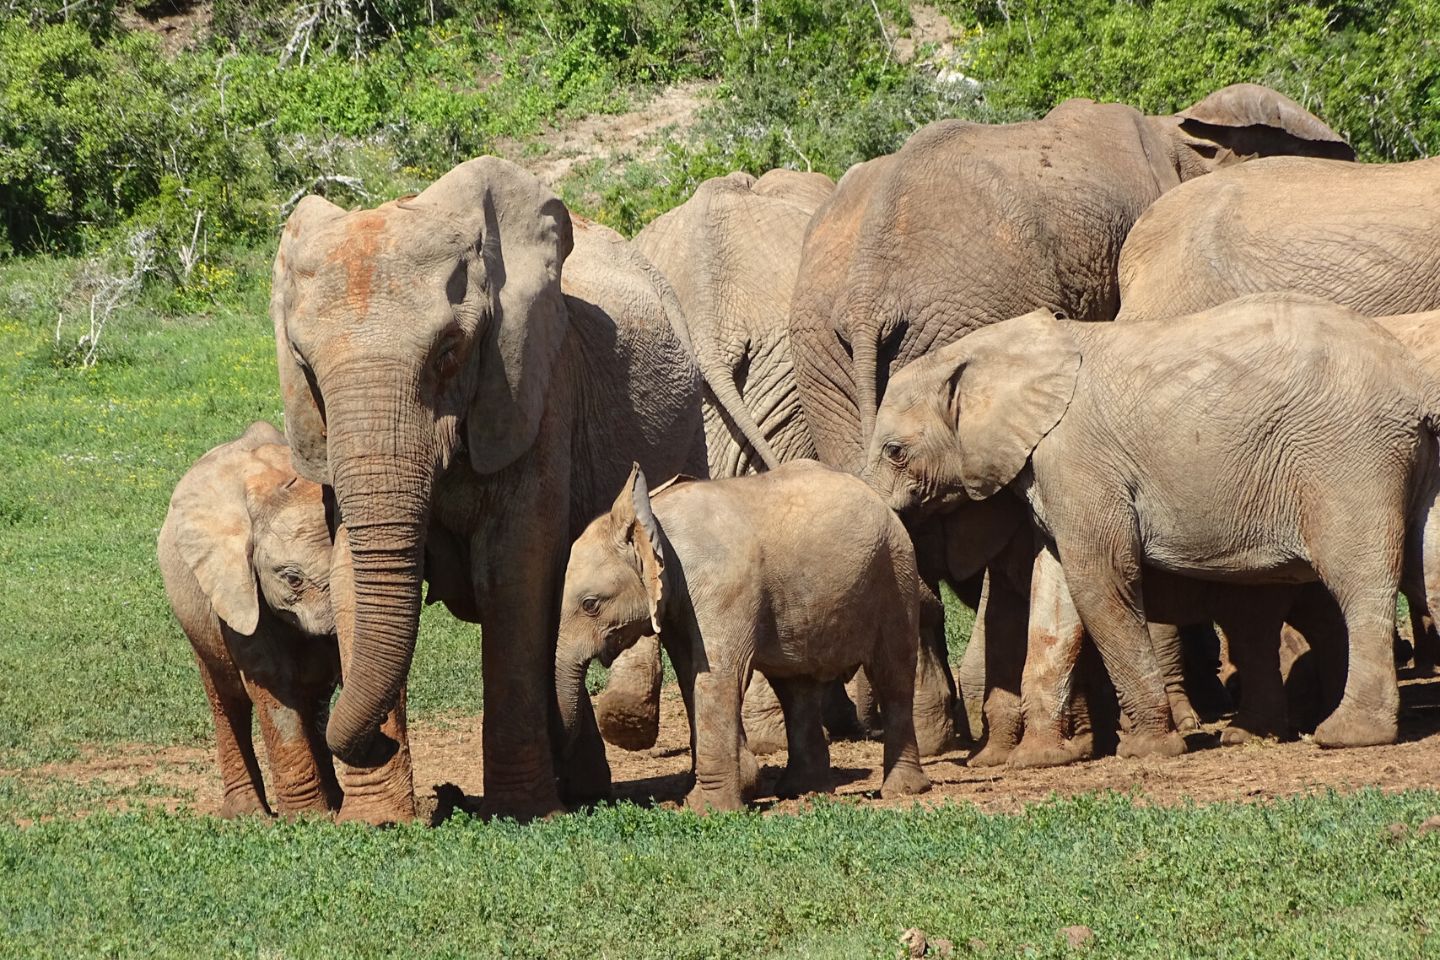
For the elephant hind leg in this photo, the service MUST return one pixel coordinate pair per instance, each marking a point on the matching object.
(807, 768)
(243, 788)
(893, 675)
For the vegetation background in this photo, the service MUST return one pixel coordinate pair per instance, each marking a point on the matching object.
(149, 153)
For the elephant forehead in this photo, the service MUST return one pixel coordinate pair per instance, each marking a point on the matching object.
(388, 251)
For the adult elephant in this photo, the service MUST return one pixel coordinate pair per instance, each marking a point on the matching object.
(732, 252)
(1358, 234)
(472, 412)
(970, 224)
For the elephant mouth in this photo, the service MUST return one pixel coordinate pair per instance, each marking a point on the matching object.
(609, 650)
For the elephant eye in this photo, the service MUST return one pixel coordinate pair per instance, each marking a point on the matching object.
(448, 355)
(292, 579)
(591, 606)
(894, 451)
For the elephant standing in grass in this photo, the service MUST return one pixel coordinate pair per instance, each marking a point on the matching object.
(473, 407)
(1272, 440)
(801, 573)
(731, 253)
(969, 224)
(245, 553)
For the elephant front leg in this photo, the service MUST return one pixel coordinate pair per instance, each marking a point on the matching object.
(301, 768)
(1053, 647)
(1170, 652)
(995, 665)
(935, 702)
(717, 737)
(383, 794)
(243, 790)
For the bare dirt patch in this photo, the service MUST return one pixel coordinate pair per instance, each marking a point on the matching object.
(635, 133)
(180, 24)
(449, 773)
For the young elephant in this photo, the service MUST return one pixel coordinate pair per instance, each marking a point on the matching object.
(245, 553)
(800, 573)
(1274, 439)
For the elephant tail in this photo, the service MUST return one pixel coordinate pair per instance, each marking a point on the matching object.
(721, 382)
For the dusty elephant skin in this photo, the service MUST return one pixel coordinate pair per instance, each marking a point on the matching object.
(731, 252)
(969, 224)
(1272, 440)
(245, 553)
(1361, 234)
(473, 412)
(800, 573)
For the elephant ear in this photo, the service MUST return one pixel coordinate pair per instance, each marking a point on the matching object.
(1008, 385)
(523, 233)
(635, 527)
(304, 413)
(213, 529)
(1247, 120)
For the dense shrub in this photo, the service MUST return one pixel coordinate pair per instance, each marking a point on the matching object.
(1371, 68)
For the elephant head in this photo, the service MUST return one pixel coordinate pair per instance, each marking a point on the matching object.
(248, 527)
(406, 335)
(961, 424)
(615, 593)
(1241, 122)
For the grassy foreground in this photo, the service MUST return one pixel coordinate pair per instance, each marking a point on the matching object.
(1307, 877)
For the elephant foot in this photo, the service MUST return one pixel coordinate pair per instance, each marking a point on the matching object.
(1244, 729)
(935, 732)
(376, 811)
(993, 754)
(904, 780)
(628, 726)
(1353, 727)
(1138, 745)
(1040, 752)
(707, 801)
(244, 804)
(793, 783)
(1183, 714)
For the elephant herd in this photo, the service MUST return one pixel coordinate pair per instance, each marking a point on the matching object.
(480, 389)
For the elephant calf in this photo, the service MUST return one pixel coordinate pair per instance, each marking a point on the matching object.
(800, 573)
(245, 553)
(1275, 439)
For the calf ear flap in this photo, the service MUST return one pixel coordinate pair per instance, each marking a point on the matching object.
(634, 522)
(213, 535)
(1009, 384)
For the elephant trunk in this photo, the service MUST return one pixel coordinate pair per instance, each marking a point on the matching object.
(382, 466)
(720, 378)
(572, 660)
(865, 357)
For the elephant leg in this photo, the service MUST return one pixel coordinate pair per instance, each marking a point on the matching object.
(867, 711)
(628, 709)
(1104, 583)
(386, 793)
(935, 702)
(764, 718)
(1054, 641)
(243, 788)
(842, 720)
(807, 768)
(303, 777)
(717, 737)
(894, 683)
(1255, 650)
(1169, 651)
(1369, 709)
(1423, 631)
(1001, 621)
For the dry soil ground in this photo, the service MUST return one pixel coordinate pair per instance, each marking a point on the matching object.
(448, 753)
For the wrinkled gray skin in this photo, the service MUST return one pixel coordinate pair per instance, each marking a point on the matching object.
(1272, 440)
(245, 555)
(731, 252)
(970, 224)
(800, 573)
(472, 413)
(1358, 234)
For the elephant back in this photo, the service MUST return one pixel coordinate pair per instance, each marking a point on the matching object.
(636, 388)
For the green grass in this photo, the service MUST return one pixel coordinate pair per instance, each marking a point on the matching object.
(1307, 877)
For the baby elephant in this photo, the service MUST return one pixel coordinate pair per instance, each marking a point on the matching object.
(801, 573)
(245, 554)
